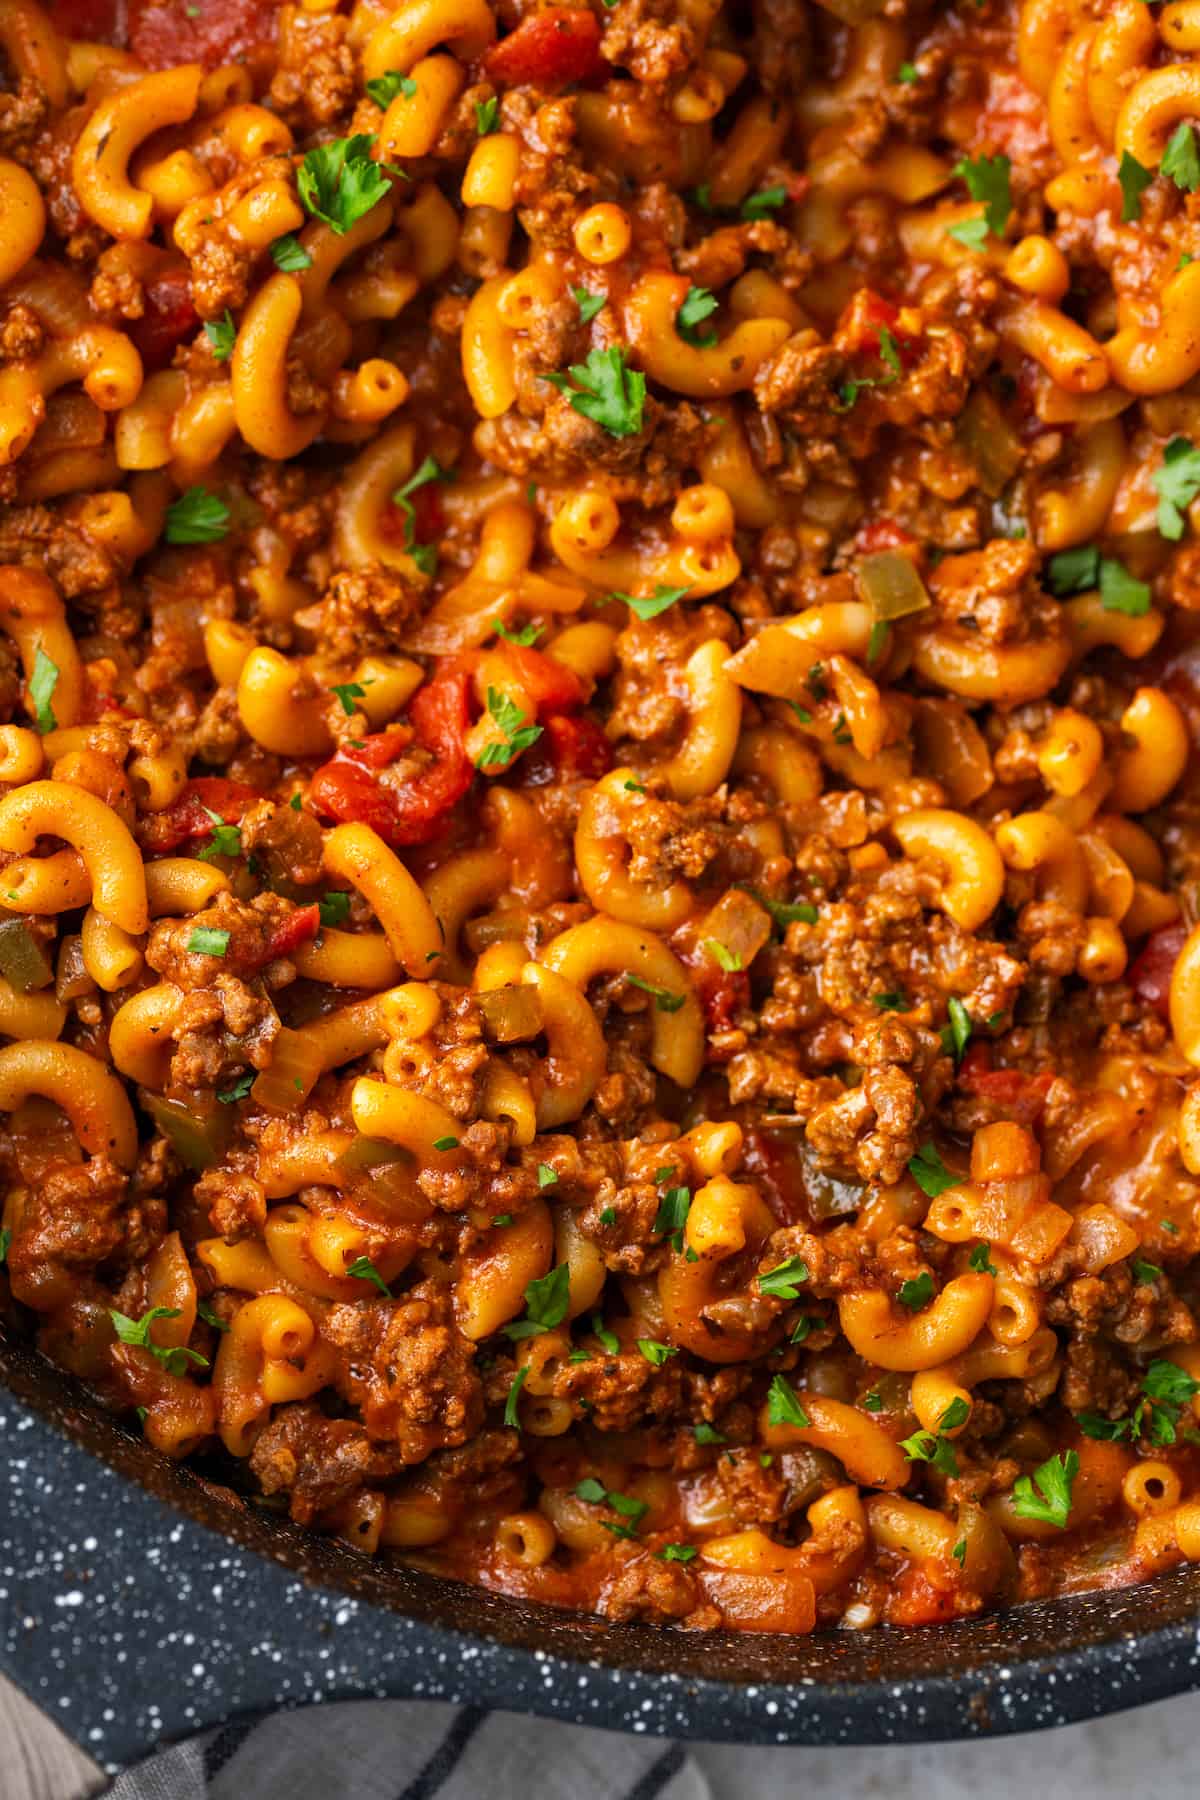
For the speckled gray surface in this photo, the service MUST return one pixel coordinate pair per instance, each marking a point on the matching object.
(131, 1624)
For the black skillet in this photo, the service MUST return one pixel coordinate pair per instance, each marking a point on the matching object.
(139, 1603)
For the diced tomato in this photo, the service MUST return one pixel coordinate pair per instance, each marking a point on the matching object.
(570, 749)
(96, 21)
(771, 1160)
(916, 1598)
(1022, 1096)
(300, 927)
(560, 44)
(549, 686)
(1150, 972)
(862, 321)
(163, 33)
(884, 534)
(722, 993)
(189, 815)
(414, 811)
(169, 318)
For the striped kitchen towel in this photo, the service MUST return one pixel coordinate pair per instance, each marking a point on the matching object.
(410, 1750)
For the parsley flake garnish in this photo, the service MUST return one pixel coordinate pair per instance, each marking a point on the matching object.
(1177, 483)
(516, 735)
(384, 88)
(783, 1408)
(42, 684)
(650, 606)
(980, 1260)
(699, 304)
(589, 304)
(197, 517)
(339, 183)
(1046, 1495)
(137, 1332)
(546, 1304)
(606, 391)
(363, 1269)
(930, 1172)
(513, 1395)
(663, 998)
(222, 335)
(289, 254)
(487, 116)
(1134, 179)
(206, 941)
(917, 1292)
(783, 1281)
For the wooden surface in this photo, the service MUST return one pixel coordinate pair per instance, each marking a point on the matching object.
(39, 1762)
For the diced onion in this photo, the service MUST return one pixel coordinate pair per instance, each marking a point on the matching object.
(740, 924)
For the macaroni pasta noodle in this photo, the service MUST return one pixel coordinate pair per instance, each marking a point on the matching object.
(599, 700)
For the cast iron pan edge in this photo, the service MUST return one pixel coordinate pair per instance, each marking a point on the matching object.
(133, 1622)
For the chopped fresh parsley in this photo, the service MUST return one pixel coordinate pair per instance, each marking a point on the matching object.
(1177, 483)
(783, 1408)
(197, 517)
(137, 1332)
(363, 1269)
(608, 1340)
(42, 684)
(589, 304)
(384, 88)
(1046, 1495)
(873, 1401)
(1167, 1389)
(957, 1034)
(205, 941)
(956, 1414)
(987, 179)
(546, 1176)
(918, 1292)
(804, 1324)
(239, 1090)
(606, 391)
(424, 555)
(889, 355)
(959, 1553)
(783, 1281)
(785, 913)
(720, 955)
(1145, 1273)
(222, 335)
(764, 203)
(502, 1219)
(546, 1304)
(511, 1398)
(1181, 159)
(348, 692)
(930, 1172)
(972, 234)
(1073, 571)
(672, 1214)
(205, 1312)
(907, 74)
(608, 1216)
(705, 1433)
(981, 1261)
(893, 1001)
(526, 637)
(633, 1510)
(655, 1352)
(5, 1242)
(225, 840)
(1120, 591)
(678, 1552)
(339, 182)
(931, 1447)
(289, 254)
(516, 734)
(663, 998)
(334, 908)
(649, 606)
(445, 1143)
(699, 304)
(1134, 179)
(487, 116)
